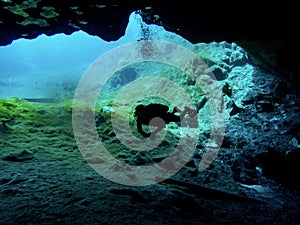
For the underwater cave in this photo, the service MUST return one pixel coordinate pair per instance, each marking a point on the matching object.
(139, 112)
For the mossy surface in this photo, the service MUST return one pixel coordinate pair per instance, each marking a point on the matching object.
(45, 126)
(36, 127)
(49, 12)
(34, 21)
(19, 9)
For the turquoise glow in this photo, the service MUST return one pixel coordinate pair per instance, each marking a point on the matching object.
(39, 68)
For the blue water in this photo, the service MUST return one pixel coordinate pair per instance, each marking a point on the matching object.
(45, 66)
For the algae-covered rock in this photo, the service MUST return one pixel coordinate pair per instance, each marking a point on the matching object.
(34, 21)
(7, 113)
(22, 113)
(49, 12)
(18, 9)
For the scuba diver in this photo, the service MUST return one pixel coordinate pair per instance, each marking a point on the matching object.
(159, 116)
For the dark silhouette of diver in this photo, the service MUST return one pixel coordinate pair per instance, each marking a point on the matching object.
(144, 114)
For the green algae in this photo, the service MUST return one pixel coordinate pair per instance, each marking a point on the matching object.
(18, 9)
(12, 109)
(34, 114)
(34, 21)
(43, 129)
(49, 12)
